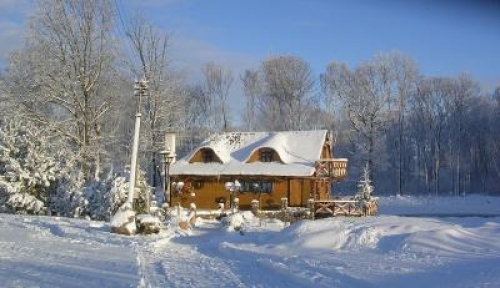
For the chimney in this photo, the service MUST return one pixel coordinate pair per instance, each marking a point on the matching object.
(170, 144)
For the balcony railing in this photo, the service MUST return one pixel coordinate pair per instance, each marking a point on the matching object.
(335, 168)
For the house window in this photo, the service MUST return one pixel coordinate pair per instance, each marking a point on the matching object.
(256, 186)
(208, 156)
(266, 155)
(198, 184)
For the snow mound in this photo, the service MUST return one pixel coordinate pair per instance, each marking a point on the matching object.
(123, 222)
(146, 218)
(148, 224)
(332, 234)
(238, 221)
(388, 233)
(453, 240)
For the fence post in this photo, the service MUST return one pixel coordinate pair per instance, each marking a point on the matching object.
(255, 207)
(284, 203)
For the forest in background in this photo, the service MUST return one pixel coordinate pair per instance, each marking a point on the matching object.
(67, 100)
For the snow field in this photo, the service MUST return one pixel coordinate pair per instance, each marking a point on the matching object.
(243, 251)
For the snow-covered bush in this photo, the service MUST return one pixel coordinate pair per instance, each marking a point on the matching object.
(27, 167)
(39, 172)
(97, 199)
(24, 203)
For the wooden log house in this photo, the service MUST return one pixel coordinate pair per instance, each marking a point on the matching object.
(262, 166)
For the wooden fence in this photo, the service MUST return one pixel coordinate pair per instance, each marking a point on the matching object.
(344, 207)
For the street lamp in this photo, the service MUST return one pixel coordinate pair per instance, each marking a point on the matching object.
(168, 157)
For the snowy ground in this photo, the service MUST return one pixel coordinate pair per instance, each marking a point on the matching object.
(383, 251)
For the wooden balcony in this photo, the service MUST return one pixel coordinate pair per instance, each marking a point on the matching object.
(333, 168)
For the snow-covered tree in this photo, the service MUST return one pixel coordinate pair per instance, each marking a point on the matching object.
(64, 77)
(365, 186)
(28, 171)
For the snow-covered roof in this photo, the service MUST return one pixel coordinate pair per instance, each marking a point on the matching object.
(298, 151)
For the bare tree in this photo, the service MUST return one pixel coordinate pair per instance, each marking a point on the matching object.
(217, 82)
(253, 90)
(288, 84)
(367, 94)
(463, 92)
(405, 77)
(162, 107)
(432, 115)
(58, 78)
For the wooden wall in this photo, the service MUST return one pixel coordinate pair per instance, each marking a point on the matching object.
(298, 191)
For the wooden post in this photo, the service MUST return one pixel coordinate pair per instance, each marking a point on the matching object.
(310, 204)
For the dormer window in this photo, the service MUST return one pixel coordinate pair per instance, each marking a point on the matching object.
(208, 156)
(266, 155)
(205, 155)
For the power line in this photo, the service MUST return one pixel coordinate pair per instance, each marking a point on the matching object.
(123, 33)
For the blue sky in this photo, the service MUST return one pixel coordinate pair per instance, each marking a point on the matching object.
(443, 37)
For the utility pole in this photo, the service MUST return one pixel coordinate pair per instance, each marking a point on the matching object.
(140, 89)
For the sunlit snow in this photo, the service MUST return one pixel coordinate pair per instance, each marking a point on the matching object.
(440, 242)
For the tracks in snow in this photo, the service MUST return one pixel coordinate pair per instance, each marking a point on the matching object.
(168, 264)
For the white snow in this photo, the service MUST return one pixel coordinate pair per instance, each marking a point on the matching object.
(124, 218)
(429, 249)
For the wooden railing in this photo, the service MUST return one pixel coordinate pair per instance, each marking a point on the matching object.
(344, 207)
(335, 168)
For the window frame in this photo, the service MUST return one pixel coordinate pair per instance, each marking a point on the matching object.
(208, 156)
(257, 187)
(266, 155)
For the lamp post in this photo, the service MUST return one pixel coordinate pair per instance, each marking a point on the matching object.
(168, 157)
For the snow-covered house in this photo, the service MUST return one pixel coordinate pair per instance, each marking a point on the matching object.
(263, 166)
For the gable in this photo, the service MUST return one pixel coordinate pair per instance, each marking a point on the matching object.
(202, 154)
